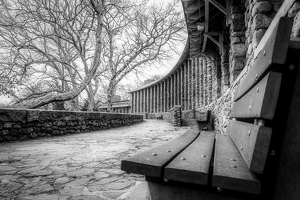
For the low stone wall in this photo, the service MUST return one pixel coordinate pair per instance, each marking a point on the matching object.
(28, 124)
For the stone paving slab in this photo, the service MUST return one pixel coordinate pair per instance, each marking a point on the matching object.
(82, 166)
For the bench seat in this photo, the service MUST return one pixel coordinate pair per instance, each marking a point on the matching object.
(241, 160)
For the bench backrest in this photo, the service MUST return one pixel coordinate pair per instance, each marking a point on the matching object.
(254, 109)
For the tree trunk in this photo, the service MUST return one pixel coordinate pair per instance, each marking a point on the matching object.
(110, 94)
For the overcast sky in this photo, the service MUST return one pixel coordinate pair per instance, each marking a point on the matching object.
(163, 70)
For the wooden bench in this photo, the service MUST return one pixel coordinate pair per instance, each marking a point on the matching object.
(244, 163)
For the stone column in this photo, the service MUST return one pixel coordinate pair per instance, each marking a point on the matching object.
(150, 102)
(186, 86)
(205, 85)
(192, 83)
(165, 96)
(145, 101)
(178, 83)
(132, 99)
(201, 67)
(197, 82)
(169, 92)
(161, 103)
(158, 97)
(182, 81)
(189, 84)
(209, 81)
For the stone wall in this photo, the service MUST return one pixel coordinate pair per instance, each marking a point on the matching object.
(28, 124)
(257, 15)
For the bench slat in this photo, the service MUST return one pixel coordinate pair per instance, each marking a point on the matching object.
(230, 170)
(274, 52)
(151, 162)
(192, 165)
(261, 100)
(253, 143)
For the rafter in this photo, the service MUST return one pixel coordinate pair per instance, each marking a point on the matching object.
(219, 6)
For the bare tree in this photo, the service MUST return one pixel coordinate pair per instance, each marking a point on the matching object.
(141, 36)
(49, 35)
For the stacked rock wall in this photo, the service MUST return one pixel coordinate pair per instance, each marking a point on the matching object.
(28, 124)
(258, 16)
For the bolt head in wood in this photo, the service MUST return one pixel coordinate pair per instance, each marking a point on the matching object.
(265, 53)
(219, 189)
(234, 166)
(166, 180)
(257, 89)
(203, 156)
(154, 154)
(250, 107)
(182, 159)
(168, 151)
(273, 153)
(249, 132)
(291, 67)
(241, 148)
(232, 159)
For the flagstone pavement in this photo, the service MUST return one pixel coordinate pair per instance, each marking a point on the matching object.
(80, 166)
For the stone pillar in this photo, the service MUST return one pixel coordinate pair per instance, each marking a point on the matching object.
(148, 100)
(201, 81)
(182, 82)
(177, 115)
(197, 83)
(216, 76)
(154, 99)
(169, 92)
(131, 95)
(151, 99)
(165, 96)
(134, 102)
(161, 97)
(186, 94)
(209, 81)
(145, 101)
(157, 98)
(205, 82)
(178, 92)
(193, 77)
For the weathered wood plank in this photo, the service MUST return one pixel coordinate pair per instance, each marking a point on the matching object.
(261, 100)
(273, 52)
(152, 162)
(192, 165)
(253, 143)
(230, 170)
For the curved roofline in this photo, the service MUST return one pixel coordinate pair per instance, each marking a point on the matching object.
(184, 56)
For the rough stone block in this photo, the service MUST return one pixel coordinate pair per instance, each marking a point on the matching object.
(261, 21)
(237, 64)
(296, 26)
(33, 115)
(5, 132)
(17, 126)
(7, 125)
(261, 7)
(257, 36)
(294, 9)
(238, 50)
(12, 115)
(235, 40)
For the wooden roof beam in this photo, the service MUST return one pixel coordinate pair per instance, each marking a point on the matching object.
(219, 6)
(212, 39)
